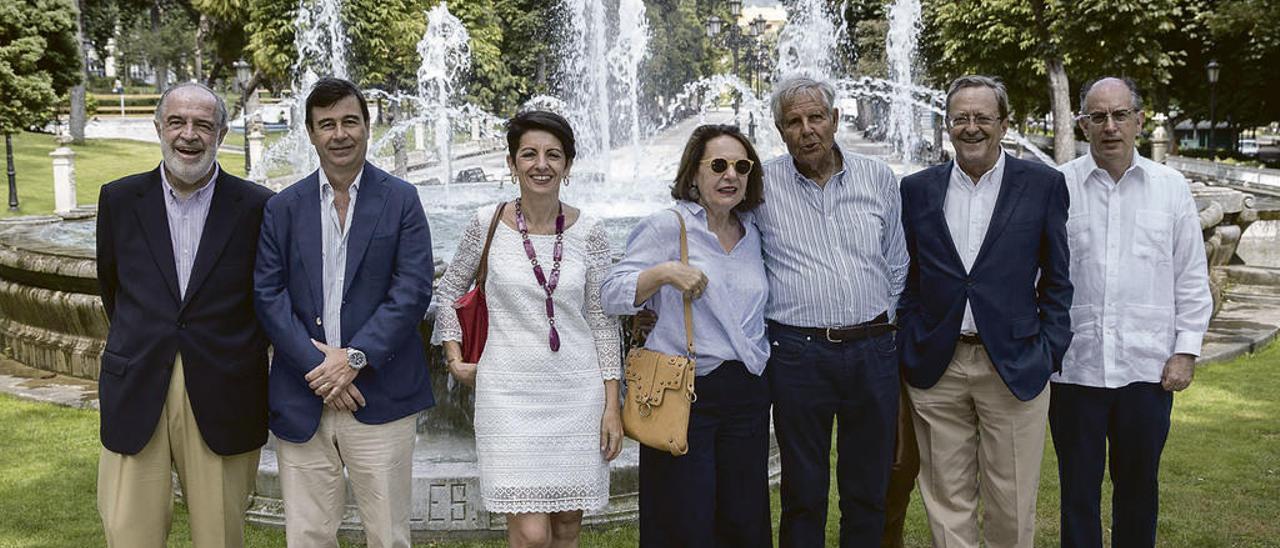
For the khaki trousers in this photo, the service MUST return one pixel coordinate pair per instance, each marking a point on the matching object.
(975, 439)
(135, 492)
(379, 462)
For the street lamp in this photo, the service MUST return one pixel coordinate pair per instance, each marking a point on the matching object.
(243, 74)
(1212, 70)
(733, 39)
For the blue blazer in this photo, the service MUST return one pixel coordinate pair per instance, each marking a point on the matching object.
(1018, 287)
(385, 295)
(224, 351)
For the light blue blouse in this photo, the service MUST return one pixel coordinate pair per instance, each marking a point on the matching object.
(728, 319)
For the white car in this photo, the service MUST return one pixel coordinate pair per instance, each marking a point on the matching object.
(1249, 147)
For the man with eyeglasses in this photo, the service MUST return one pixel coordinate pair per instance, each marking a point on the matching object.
(984, 319)
(1142, 307)
(835, 260)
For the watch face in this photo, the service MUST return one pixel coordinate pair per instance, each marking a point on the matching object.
(355, 359)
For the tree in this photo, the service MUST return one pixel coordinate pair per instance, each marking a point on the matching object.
(1033, 45)
(384, 37)
(678, 53)
(39, 60)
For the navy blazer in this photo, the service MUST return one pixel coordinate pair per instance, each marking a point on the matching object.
(1017, 288)
(224, 351)
(386, 292)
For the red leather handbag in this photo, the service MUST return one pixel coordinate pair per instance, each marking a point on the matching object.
(473, 312)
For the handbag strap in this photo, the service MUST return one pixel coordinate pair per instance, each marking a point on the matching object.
(688, 301)
(482, 271)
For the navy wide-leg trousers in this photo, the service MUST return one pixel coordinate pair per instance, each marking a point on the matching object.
(1131, 424)
(855, 383)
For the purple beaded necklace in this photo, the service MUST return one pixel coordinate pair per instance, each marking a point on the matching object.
(548, 287)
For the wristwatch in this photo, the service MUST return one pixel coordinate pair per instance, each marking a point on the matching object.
(356, 359)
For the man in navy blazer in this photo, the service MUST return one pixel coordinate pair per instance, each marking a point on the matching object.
(984, 321)
(343, 278)
(183, 383)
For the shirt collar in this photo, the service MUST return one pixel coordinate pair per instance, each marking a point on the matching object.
(995, 173)
(326, 188)
(836, 177)
(200, 193)
(1092, 168)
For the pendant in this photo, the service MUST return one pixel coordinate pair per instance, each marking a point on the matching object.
(555, 339)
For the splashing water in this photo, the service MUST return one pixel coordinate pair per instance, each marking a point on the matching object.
(446, 57)
(321, 46)
(904, 28)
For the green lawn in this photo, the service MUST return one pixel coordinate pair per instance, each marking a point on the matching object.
(1220, 477)
(98, 162)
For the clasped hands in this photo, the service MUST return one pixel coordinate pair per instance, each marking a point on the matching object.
(331, 380)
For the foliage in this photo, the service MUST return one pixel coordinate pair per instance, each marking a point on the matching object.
(39, 60)
(1094, 38)
(678, 53)
(271, 35)
(1244, 37)
(383, 38)
(492, 86)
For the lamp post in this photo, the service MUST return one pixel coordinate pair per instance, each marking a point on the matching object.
(13, 183)
(1211, 71)
(243, 74)
(733, 39)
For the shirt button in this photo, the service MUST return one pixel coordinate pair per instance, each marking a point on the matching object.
(318, 320)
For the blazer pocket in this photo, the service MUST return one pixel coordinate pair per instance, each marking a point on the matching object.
(1022, 328)
(114, 363)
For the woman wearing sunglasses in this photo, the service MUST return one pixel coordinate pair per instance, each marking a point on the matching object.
(717, 494)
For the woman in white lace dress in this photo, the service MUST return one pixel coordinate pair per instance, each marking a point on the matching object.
(547, 419)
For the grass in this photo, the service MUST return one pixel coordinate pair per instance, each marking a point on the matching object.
(1220, 477)
(98, 162)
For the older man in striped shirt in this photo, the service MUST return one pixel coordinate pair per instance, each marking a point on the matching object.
(836, 262)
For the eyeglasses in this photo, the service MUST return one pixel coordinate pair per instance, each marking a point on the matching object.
(719, 165)
(1119, 116)
(980, 120)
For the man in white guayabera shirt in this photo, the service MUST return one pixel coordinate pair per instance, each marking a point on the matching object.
(1142, 306)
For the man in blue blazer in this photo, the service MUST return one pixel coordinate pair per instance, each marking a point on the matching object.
(183, 383)
(985, 319)
(343, 278)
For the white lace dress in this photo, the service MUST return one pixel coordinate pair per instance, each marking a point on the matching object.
(537, 412)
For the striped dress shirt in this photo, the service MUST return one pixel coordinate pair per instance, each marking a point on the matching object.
(186, 224)
(334, 236)
(834, 255)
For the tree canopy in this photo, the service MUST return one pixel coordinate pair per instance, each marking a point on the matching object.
(39, 60)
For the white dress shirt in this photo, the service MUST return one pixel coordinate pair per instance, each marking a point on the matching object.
(334, 255)
(968, 208)
(1140, 272)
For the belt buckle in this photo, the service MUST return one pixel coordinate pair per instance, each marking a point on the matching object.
(827, 332)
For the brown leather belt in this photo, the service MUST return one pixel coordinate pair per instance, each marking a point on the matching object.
(873, 328)
(974, 339)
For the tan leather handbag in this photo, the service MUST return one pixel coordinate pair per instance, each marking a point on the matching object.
(660, 386)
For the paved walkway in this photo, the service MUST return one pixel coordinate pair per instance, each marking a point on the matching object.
(1248, 321)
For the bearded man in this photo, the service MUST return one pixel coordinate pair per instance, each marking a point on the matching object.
(183, 380)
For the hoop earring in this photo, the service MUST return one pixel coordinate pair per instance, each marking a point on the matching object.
(565, 182)
(515, 180)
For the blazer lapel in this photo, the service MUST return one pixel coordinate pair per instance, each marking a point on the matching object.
(937, 201)
(309, 235)
(224, 216)
(1011, 186)
(154, 218)
(370, 200)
